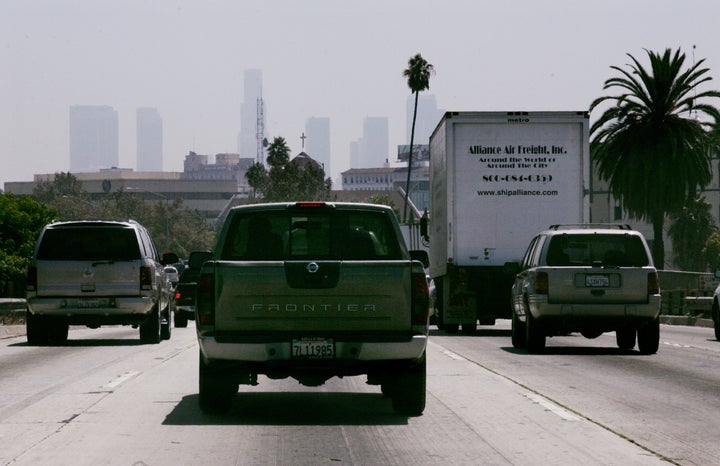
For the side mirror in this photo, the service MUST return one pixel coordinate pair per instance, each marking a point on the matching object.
(511, 268)
(197, 258)
(422, 256)
(169, 258)
(424, 227)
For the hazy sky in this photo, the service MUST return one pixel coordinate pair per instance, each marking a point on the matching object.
(341, 59)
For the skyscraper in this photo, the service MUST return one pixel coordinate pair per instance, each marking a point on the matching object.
(317, 130)
(375, 142)
(149, 135)
(250, 108)
(428, 116)
(93, 138)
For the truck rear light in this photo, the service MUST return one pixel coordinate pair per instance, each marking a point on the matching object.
(420, 298)
(540, 283)
(310, 204)
(146, 278)
(178, 295)
(31, 279)
(205, 304)
(653, 283)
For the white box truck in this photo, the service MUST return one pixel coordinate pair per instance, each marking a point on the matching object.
(498, 178)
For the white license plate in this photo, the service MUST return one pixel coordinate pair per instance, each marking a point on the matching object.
(313, 348)
(88, 303)
(597, 281)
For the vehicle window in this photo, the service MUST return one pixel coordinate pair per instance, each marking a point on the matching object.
(290, 235)
(98, 243)
(528, 254)
(589, 249)
(535, 255)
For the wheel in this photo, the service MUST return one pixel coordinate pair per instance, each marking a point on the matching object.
(409, 391)
(534, 335)
(166, 326)
(36, 330)
(57, 331)
(181, 320)
(717, 329)
(469, 329)
(216, 390)
(517, 332)
(150, 329)
(625, 338)
(648, 337)
(451, 328)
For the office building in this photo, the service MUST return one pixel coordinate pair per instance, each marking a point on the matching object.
(428, 116)
(149, 136)
(317, 142)
(252, 116)
(93, 138)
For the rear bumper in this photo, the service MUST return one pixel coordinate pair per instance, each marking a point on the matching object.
(270, 351)
(113, 308)
(571, 316)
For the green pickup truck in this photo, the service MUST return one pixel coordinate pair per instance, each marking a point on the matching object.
(313, 290)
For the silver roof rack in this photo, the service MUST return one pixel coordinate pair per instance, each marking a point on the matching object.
(618, 226)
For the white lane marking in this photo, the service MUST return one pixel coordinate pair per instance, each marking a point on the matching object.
(454, 356)
(552, 407)
(121, 378)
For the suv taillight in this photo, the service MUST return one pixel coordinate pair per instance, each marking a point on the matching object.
(146, 278)
(540, 283)
(653, 283)
(31, 279)
(420, 298)
(205, 300)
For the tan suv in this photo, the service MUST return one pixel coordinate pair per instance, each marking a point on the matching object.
(97, 273)
(590, 279)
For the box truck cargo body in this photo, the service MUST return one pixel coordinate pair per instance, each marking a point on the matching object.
(498, 178)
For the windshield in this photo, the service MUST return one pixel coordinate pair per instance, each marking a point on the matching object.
(593, 248)
(290, 235)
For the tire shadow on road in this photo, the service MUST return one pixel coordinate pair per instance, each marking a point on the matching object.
(292, 409)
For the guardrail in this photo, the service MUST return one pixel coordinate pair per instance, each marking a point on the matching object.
(12, 309)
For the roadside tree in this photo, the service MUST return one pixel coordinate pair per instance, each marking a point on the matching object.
(652, 144)
(690, 229)
(418, 79)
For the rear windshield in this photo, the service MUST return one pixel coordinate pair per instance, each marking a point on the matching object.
(589, 249)
(90, 243)
(324, 234)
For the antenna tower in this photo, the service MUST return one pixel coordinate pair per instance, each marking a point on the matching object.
(260, 131)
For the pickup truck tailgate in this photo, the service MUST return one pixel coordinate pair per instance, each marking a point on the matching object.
(312, 296)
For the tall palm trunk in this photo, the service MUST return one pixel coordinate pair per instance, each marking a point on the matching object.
(658, 245)
(412, 137)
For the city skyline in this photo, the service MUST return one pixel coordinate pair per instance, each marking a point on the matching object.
(343, 61)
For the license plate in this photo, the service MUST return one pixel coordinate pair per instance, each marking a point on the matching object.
(88, 303)
(595, 281)
(313, 348)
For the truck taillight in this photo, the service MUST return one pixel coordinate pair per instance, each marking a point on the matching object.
(31, 279)
(653, 284)
(146, 278)
(205, 304)
(540, 283)
(420, 298)
(178, 295)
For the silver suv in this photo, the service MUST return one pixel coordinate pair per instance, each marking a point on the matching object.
(97, 273)
(590, 279)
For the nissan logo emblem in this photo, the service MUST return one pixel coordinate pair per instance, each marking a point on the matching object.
(312, 267)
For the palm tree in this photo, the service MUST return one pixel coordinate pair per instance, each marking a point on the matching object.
(689, 230)
(651, 144)
(418, 75)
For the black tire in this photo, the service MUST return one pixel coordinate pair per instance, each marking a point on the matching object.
(150, 329)
(451, 328)
(625, 338)
(409, 391)
(181, 320)
(517, 332)
(717, 329)
(36, 330)
(166, 326)
(216, 390)
(534, 335)
(57, 331)
(469, 329)
(648, 337)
